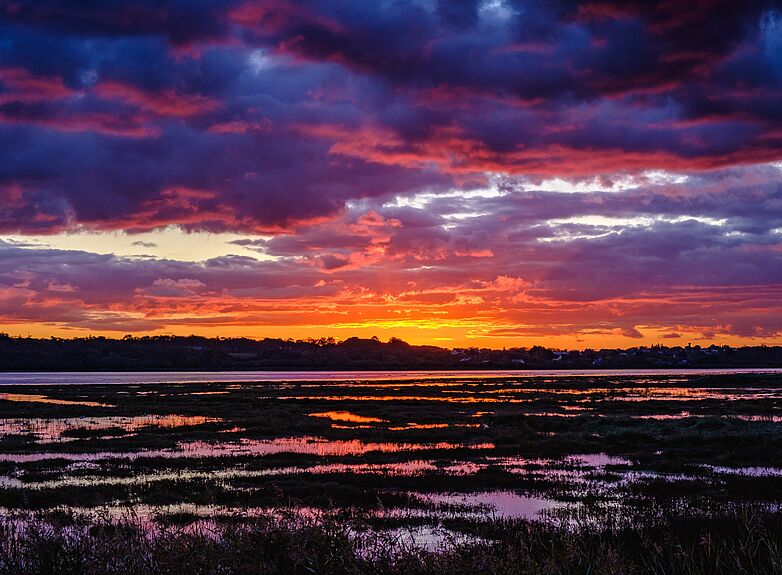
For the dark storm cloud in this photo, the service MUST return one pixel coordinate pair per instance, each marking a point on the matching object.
(180, 21)
(278, 112)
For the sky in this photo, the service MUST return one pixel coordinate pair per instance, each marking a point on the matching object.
(493, 173)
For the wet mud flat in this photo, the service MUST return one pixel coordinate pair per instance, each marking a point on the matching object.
(431, 462)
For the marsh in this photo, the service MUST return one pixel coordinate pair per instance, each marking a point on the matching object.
(432, 461)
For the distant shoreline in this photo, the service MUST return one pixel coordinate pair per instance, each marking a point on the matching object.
(85, 378)
(200, 354)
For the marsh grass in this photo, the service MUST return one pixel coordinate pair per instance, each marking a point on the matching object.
(744, 542)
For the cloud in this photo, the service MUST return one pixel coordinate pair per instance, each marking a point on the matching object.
(630, 332)
(179, 21)
(399, 163)
(655, 259)
(364, 101)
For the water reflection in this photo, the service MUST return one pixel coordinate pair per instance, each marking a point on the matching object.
(416, 398)
(697, 394)
(347, 417)
(252, 447)
(53, 430)
(492, 448)
(179, 377)
(501, 503)
(401, 469)
(315, 446)
(33, 398)
(413, 425)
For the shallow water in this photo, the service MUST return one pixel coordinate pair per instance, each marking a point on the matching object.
(52, 430)
(35, 398)
(314, 446)
(252, 447)
(518, 445)
(496, 503)
(176, 377)
(347, 417)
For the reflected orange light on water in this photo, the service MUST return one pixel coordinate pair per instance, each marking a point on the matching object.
(347, 417)
(30, 398)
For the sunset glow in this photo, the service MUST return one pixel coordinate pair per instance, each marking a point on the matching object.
(490, 173)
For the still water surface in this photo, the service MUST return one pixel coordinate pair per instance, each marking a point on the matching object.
(174, 377)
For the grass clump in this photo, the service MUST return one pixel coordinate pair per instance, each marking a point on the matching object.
(289, 544)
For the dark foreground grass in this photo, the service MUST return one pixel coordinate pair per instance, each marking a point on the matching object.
(741, 543)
